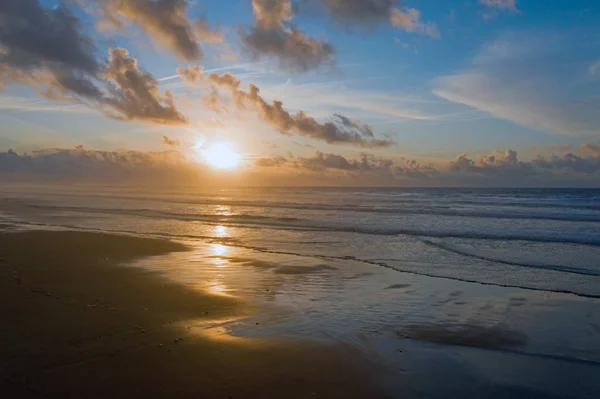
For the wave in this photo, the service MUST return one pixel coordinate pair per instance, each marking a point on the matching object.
(254, 221)
(153, 213)
(236, 243)
(564, 269)
(499, 214)
(435, 206)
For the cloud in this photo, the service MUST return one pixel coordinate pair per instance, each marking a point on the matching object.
(94, 165)
(46, 49)
(271, 36)
(166, 21)
(365, 164)
(410, 21)
(134, 93)
(532, 80)
(499, 168)
(170, 142)
(506, 164)
(339, 129)
(499, 162)
(271, 162)
(591, 148)
(412, 169)
(375, 12)
(323, 161)
(570, 162)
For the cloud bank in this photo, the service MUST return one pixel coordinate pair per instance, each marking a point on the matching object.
(500, 168)
(94, 166)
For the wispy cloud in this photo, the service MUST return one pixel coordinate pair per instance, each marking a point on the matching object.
(533, 80)
(22, 104)
(510, 5)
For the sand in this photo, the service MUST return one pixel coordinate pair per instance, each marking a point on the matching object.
(77, 322)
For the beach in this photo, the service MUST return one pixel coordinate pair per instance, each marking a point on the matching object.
(300, 293)
(79, 324)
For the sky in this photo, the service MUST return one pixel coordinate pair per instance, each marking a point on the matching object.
(311, 92)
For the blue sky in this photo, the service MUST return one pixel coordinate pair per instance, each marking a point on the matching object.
(499, 75)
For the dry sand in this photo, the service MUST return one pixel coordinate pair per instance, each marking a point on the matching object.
(76, 323)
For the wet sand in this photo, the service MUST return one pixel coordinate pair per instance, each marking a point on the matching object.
(78, 323)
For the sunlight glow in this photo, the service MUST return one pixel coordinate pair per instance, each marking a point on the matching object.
(221, 156)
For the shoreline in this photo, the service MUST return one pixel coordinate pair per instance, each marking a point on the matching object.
(83, 324)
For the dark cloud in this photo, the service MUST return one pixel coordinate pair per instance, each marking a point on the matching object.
(500, 162)
(364, 129)
(371, 12)
(272, 36)
(506, 164)
(569, 162)
(134, 93)
(378, 12)
(339, 129)
(366, 163)
(46, 48)
(166, 21)
(501, 168)
(322, 162)
(411, 169)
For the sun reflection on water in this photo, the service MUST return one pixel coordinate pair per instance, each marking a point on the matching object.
(223, 210)
(220, 231)
(219, 249)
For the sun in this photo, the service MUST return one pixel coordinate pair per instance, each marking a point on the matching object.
(221, 156)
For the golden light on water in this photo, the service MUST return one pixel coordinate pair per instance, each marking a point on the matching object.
(220, 231)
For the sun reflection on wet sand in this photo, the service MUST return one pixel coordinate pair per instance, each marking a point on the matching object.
(218, 330)
(218, 288)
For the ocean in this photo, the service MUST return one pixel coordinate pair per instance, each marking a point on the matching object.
(493, 274)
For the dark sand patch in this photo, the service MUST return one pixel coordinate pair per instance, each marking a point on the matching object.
(359, 275)
(303, 269)
(517, 301)
(494, 337)
(76, 325)
(398, 286)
